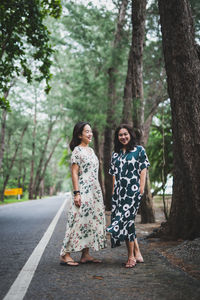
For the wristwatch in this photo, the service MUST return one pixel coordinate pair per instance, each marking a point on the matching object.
(76, 192)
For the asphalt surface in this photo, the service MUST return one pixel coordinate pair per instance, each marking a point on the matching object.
(22, 227)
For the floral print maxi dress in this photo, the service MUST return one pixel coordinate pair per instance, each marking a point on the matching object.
(86, 226)
(126, 167)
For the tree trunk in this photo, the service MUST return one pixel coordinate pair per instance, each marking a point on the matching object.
(127, 114)
(12, 164)
(183, 78)
(23, 179)
(97, 151)
(146, 208)
(3, 129)
(41, 189)
(134, 95)
(138, 35)
(3, 125)
(110, 119)
(30, 189)
(42, 157)
(39, 179)
(20, 177)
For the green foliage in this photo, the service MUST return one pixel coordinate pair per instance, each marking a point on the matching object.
(65, 158)
(84, 65)
(82, 40)
(22, 102)
(159, 146)
(155, 85)
(195, 4)
(24, 39)
(4, 104)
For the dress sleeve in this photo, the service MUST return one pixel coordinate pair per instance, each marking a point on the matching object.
(75, 158)
(112, 166)
(143, 160)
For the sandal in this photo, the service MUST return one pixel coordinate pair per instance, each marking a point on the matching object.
(131, 263)
(70, 263)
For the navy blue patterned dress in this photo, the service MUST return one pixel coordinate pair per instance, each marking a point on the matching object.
(126, 167)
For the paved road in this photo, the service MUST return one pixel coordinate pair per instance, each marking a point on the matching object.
(22, 227)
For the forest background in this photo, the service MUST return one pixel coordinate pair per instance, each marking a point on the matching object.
(98, 61)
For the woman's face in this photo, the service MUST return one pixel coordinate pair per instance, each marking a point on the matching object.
(86, 136)
(124, 137)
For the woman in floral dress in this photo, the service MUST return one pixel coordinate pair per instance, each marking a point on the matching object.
(128, 166)
(86, 227)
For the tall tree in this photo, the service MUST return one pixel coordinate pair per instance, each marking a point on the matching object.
(183, 76)
(112, 100)
(133, 109)
(33, 146)
(3, 122)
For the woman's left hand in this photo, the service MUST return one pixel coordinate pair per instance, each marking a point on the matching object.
(141, 191)
(77, 200)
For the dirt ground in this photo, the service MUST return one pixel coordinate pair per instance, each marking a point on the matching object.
(182, 254)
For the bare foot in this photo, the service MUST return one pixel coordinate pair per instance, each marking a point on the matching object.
(139, 258)
(89, 259)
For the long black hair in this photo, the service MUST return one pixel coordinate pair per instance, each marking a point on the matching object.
(117, 145)
(78, 129)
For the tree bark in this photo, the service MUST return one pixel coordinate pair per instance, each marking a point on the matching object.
(23, 179)
(42, 157)
(183, 77)
(97, 151)
(133, 90)
(110, 120)
(12, 164)
(3, 130)
(3, 124)
(134, 95)
(127, 114)
(138, 35)
(146, 208)
(33, 151)
(41, 177)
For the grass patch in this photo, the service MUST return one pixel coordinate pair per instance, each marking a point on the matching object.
(13, 199)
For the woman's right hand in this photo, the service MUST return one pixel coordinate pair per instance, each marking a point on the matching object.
(77, 200)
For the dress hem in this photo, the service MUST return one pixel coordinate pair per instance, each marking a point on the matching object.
(93, 248)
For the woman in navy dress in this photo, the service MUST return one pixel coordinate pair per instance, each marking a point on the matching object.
(128, 167)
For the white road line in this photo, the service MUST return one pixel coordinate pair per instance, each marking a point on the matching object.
(23, 280)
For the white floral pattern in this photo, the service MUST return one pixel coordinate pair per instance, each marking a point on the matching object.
(86, 226)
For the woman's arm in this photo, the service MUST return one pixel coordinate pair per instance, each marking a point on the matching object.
(113, 184)
(77, 197)
(142, 180)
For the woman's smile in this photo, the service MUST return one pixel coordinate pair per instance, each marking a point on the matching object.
(87, 135)
(124, 136)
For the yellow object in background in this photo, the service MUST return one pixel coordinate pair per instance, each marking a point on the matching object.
(13, 192)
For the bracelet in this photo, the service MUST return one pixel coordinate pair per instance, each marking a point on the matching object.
(76, 192)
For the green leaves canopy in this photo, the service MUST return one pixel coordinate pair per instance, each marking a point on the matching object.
(24, 39)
